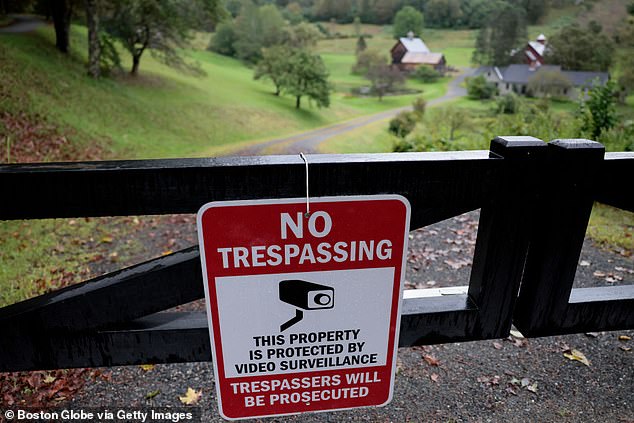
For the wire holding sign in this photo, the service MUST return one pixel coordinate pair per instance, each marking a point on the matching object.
(305, 295)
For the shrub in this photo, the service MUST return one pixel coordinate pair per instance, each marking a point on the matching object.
(479, 88)
(419, 104)
(426, 74)
(224, 39)
(508, 104)
(403, 124)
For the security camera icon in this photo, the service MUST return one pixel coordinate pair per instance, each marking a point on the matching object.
(305, 295)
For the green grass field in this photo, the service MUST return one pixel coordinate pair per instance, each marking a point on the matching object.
(165, 112)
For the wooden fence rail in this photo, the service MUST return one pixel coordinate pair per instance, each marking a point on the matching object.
(535, 200)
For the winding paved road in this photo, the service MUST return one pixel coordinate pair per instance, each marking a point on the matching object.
(308, 142)
(22, 23)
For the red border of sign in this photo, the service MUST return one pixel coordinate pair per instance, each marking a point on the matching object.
(395, 317)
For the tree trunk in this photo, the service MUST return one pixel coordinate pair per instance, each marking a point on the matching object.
(297, 101)
(136, 59)
(277, 90)
(61, 11)
(94, 49)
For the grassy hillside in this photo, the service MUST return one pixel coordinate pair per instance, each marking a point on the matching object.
(164, 112)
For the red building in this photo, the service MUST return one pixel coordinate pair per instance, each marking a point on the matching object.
(534, 52)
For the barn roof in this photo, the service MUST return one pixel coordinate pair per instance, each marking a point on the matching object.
(538, 47)
(422, 58)
(414, 45)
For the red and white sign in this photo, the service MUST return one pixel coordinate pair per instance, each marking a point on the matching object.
(303, 312)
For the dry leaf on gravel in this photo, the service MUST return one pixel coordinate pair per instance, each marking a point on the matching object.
(434, 377)
(576, 355)
(431, 360)
(624, 338)
(497, 345)
(516, 333)
(152, 394)
(147, 367)
(191, 397)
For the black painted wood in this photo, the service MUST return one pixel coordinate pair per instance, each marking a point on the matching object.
(561, 221)
(614, 181)
(530, 232)
(503, 235)
(452, 181)
(113, 298)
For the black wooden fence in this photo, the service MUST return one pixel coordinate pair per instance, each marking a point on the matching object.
(535, 201)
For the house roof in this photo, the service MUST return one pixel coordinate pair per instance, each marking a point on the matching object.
(521, 74)
(414, 45)
(580, 78)
(422, 58)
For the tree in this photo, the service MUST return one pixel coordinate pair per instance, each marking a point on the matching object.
(407, 19)
(549, 83)
(163, 26)
(302, 35)
(224, 39)
(477, 12)
(402, 124)
(454, 119)
(479, 88)
(257, 27)
(361, 45)
(307, 76)
(274, 65)
(357, 26)
(508, 104)
(62, 12)
(575, 48)
(368, 59)
(443, 13)
(598, 112)
(419, 105)
(504, 34)
(94, 44)
(535, 9)
(384, 78)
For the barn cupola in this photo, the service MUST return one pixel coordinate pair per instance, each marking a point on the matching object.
(410, 35)
(541, 39)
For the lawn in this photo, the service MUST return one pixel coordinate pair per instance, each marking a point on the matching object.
(166, 112)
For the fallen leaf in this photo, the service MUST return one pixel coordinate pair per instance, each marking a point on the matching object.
(431, 360)
(434, 377)
(624, 348)
(152, 394)
(593, 334)
(191, 397)
(49, 379)
(584, 263)
(106, 240)
(532, 388)
(147, 367)
(524, 382)
(497, 345)
(516, 333)
(167, 252)
(577, 355)
(511, 390)
(624, 338)
(599, 274)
